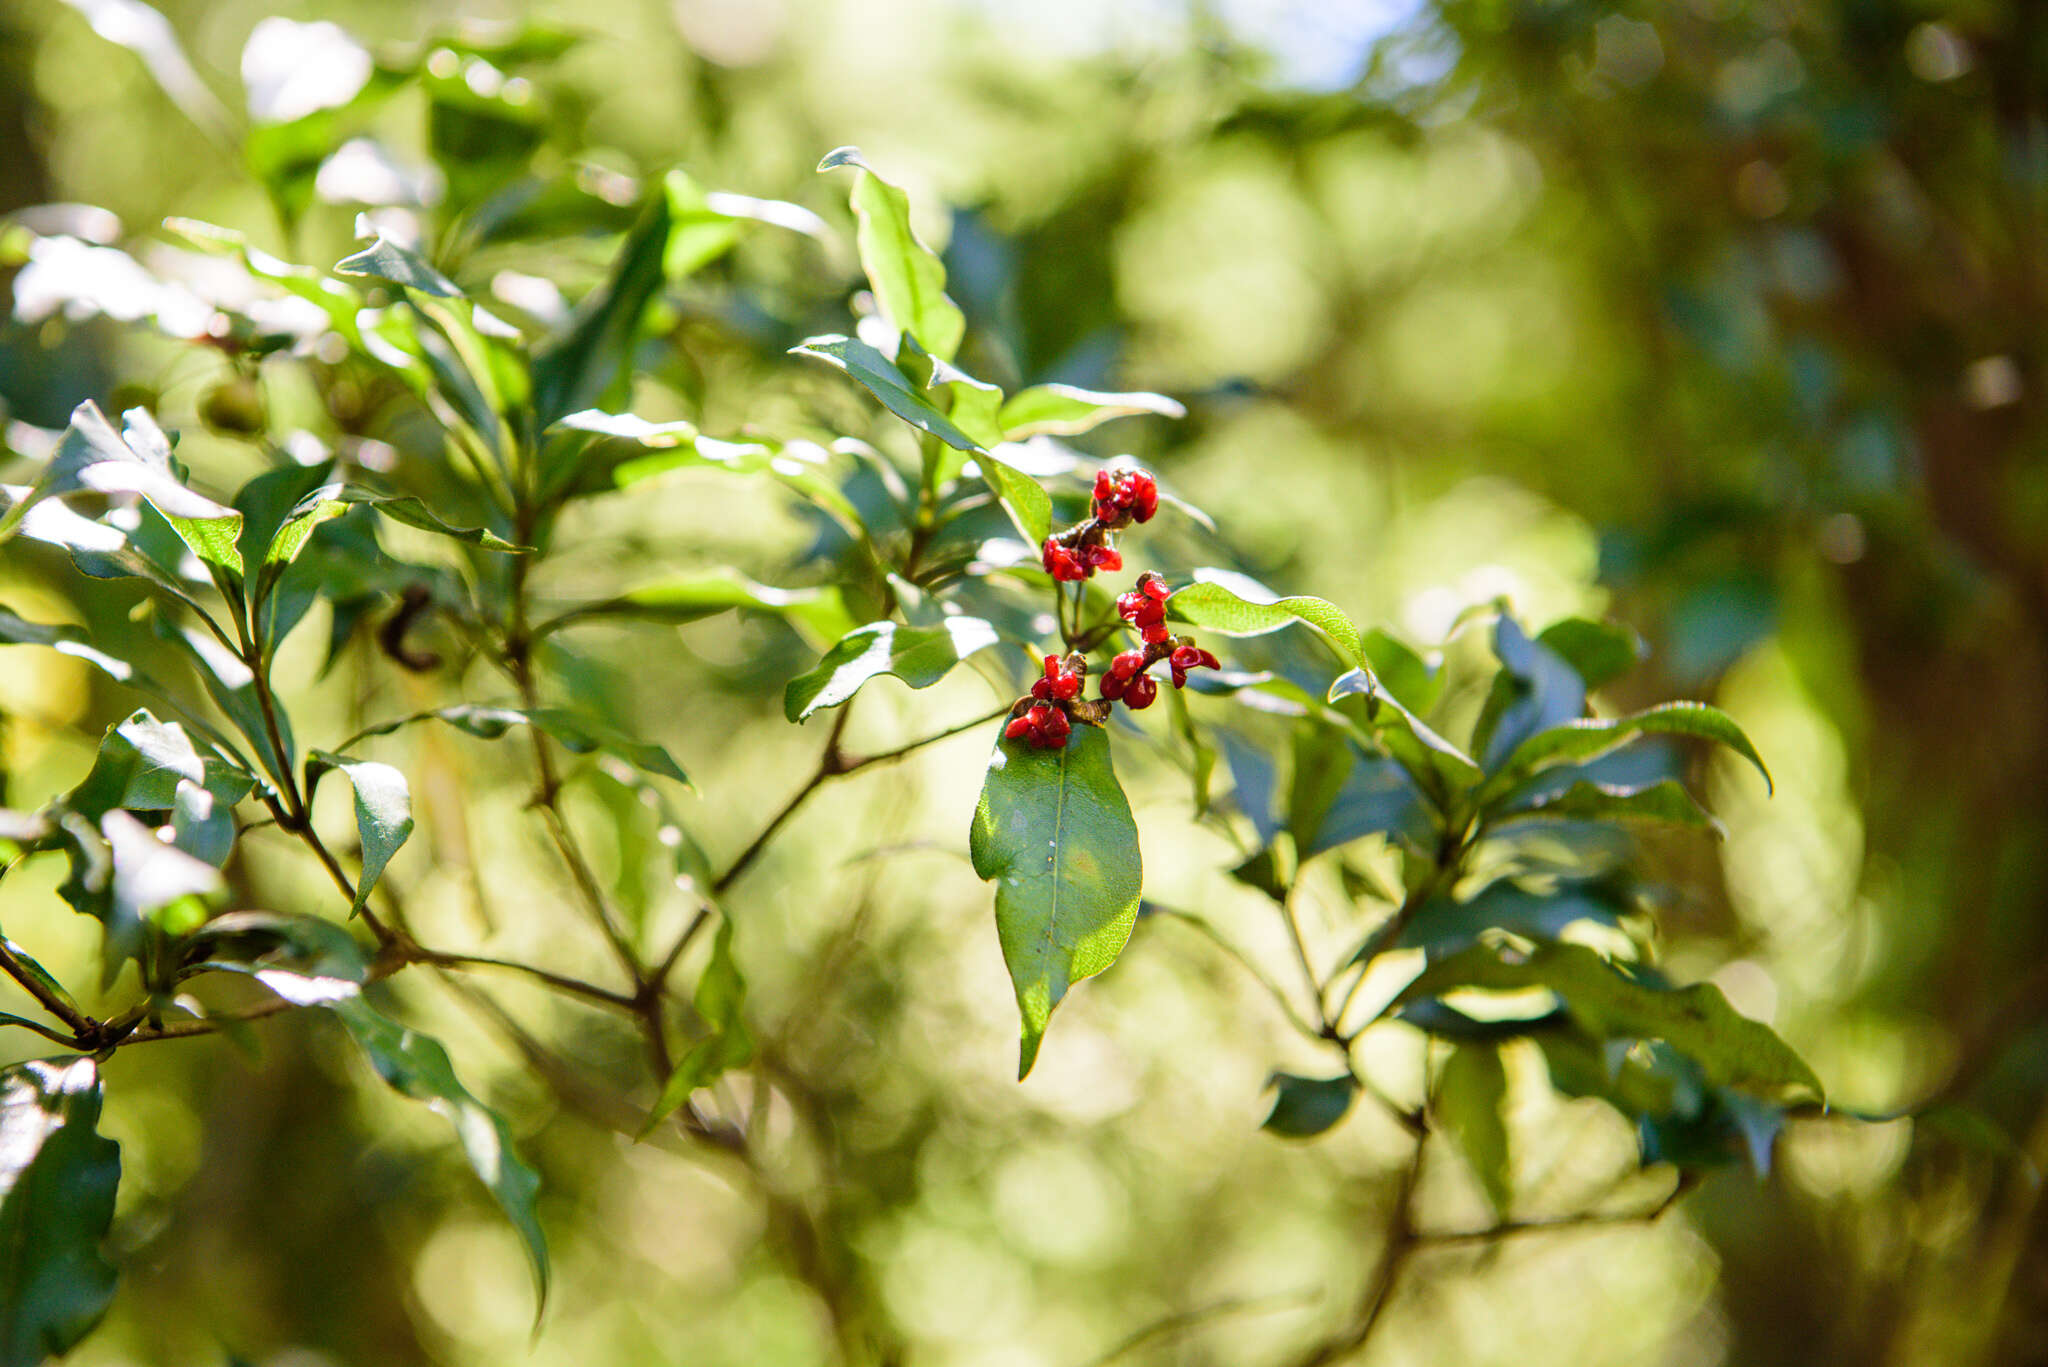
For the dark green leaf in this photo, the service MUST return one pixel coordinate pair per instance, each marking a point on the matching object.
(1697, 1021)
(879, 375)
(57, 1180)
(1534, 690)
(1666, 801)
(413, 513)
(1054, 831)
(1304, 1107)
(304, 959)
(274, 528)
(908, 278)
(920, 656)
(1061, 410)
(1471, 1093)
(1444, 925)
(720, 994)
(383, 812)
(1599, 651)
(418, 1066)
(589, 358)
(1576, 742)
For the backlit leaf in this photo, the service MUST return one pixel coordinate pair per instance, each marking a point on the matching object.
(920, 656)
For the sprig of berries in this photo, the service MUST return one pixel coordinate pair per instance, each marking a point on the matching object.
(1145, 608)
(1045, 718)
(1121, 498)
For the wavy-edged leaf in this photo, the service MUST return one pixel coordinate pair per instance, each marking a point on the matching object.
(1304, 1107)
(721, 993)
(1055, 833)
(383, 812)
(908, 278)
(1603, 999)
(919, 656)
(57, 1181)
(1579, 741)
(1471, 1092)
(880, 377)
(1062, 410)
(417, 1066)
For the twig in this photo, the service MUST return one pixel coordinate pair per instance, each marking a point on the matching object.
(1191, 1319)
(1379, 1288)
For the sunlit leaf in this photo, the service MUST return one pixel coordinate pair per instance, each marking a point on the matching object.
(586, 361)
(908, 278)
(1666, 801)
(383, 812)
(1576, 742)
(1055, 833)
(575, 732)
(721, 992)
(879, 375)
(1061, 410)
(919, 656)
(395, 264)
(306, 960)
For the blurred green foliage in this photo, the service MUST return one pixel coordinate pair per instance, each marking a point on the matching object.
(1719, 316)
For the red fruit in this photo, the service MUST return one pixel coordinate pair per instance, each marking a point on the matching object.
(1103, 558)
(1140, 495)
(1019, 727)
(1154, 587)
(1209, 661)
(1061, 563)
(1105, 486)
(1113, 685)
(1055, 728)
(1155, 634)
(1140, 692)
(1128, 664)
(1185, 657)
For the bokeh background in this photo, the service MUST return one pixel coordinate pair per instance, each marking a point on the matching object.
(1723, 317)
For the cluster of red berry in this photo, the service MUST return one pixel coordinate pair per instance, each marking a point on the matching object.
(1120, 499)
(1045, 719)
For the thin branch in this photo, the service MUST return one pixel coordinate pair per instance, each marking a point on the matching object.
(1379, 1289)
(50, 1001)
(1194, 1319)
(1273, 989)
(1507, 1229)
(574, 987)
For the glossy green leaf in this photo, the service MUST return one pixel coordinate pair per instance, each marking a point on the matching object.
(417, 1066)
(306, 960)
(413, 513)
(1579, 741)
(1022, 497)
(1608, 1002)
(721, 992)
(383, 812)
(1403, 672)
(395, 264)
(1215, 606)
(1666, 801)
(1471, 1094)
(879, 375)
(1439, 767)
(1055, 833)
(57, 1181)
(1061, 410)
(1536, 912)
(269, 505)
(908, 278)
(1304, 1107)
(149, 875)
(590, 357)
(678, 445)
(919, 656)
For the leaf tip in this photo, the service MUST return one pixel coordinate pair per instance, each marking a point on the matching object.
(842, 156)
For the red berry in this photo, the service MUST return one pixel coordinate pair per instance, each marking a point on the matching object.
(1113, 685)
(1103, 558)
(1062, 563)
(1185, 657)
(1155, 587)
(1056, 727)
(1155, 633)
(1209, 661)
(1140, 495)
(1018, 728)
(1128, 665)
(1138, 695)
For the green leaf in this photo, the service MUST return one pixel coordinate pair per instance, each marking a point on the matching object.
(57, 1180)
(908, 278)
(146, 33)
(690, 598)
(383, 812)
(882, 379)
(1600, 651)
(1697, 1021)
(388, 261)
(1666, 801)
(1437, 766)
(1401, 672)
(417, 1066)
(413, 513)
(148, 876)
(920, 656)
(720, 994)
(1534, 689)
(92, 457)
(306, 960)
(1022, 497)
(1579, 741)
(1055, 833)
(1538, 912)
(1471, 1093)
(1214, 606)
(1061, 410)
(592, 354)
(1304, 1107)
(577, 733)
(274, 527)
(680, 446)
